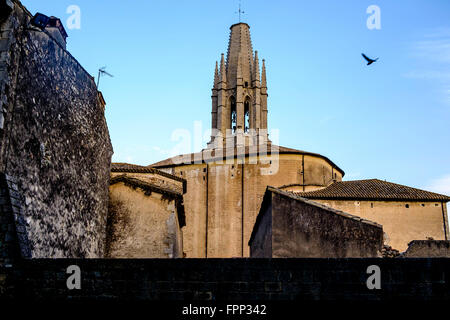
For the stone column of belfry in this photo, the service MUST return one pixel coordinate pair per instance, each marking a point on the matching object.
(214, 102)
(256, 114)
(222, 112)
(239, 103)
(264, 96)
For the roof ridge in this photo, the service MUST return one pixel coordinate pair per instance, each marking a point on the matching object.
(135, 168)
(141, 184)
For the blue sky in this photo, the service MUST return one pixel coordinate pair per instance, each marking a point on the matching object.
(388, 121)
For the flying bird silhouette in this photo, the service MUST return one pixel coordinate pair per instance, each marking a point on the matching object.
(369, 61)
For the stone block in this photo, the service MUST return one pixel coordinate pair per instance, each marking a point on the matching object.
(4, 44)
(272, 286)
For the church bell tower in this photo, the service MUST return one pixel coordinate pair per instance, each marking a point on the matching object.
(239, 95)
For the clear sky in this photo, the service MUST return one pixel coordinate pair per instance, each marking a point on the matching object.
(389, 120)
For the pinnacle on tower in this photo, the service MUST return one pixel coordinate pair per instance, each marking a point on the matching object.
(223, 76)
(256, 68)
(263, 77)
(216, 77)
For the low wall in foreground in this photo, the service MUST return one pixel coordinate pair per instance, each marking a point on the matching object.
(227, 279)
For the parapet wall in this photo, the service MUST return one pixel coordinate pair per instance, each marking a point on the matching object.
(227, 279)
(289, 226)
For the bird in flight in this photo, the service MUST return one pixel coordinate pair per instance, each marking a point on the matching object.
(369, 61)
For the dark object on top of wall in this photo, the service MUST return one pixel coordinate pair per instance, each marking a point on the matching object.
(52, 25)
(55, 22)
(40, 20)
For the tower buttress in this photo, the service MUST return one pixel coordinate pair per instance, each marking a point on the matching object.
(257, 96)
(214, 98)
(222, 114)
(264, 96)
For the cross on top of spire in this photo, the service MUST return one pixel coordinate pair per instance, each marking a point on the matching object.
(240, 11)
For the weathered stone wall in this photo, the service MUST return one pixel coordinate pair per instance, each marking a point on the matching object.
(223, 199)
(195, 204)
(54, 142)
(402, 221)
(142, 225)
(12, 225)
(301, 228)
(428, 248)
(216, 280)
(261, 242)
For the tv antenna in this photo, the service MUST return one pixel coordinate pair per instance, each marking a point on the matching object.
(240, 11)
(102, 72)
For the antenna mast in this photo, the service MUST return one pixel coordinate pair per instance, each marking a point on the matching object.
(240, 11)
(102, 72)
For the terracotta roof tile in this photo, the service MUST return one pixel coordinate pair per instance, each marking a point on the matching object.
(128, 167)
(372, 189)
(154, 184)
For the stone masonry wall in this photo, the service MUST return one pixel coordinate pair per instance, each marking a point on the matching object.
(300, 228)
(428, 248)
(227, 280)
(13, 236)
(142, 224)
(54, 142)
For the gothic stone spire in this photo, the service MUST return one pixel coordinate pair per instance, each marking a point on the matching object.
(239, 101)
(239, 44)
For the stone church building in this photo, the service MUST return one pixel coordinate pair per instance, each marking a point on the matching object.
(226, 182)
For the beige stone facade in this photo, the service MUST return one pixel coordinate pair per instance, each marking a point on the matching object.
(405, 213)
(145, 226)
(146, 214)
(223, 198)
(402, 221)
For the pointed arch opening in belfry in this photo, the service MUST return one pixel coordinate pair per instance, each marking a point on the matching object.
(247, 114)
(233, 114)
